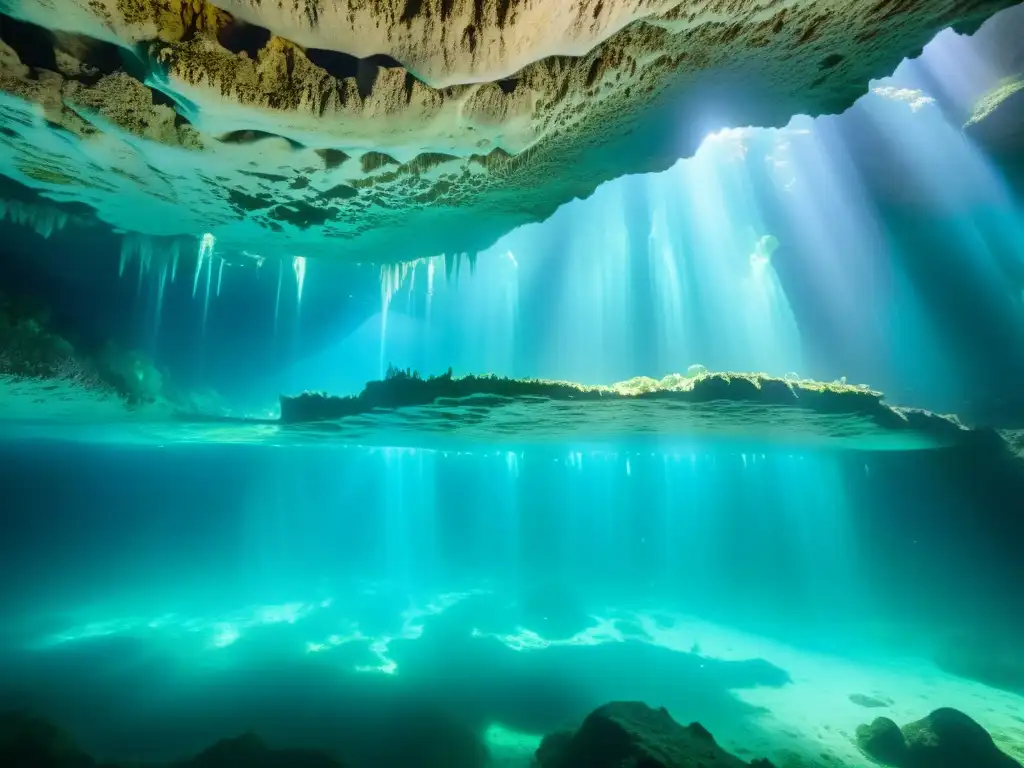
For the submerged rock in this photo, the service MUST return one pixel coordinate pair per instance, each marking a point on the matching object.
(551, 748)
(997, 123)
(946, 738)
(632, 733)
(883, 742)
(248, 751)
(870, 702)
(27, 741)
(754, 404)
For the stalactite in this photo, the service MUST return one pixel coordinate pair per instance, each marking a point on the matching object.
(45, 220)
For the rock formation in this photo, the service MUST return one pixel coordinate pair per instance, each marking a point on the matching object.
(632, 733)
(482, 407)
(998, 120)
(27, 741)
(389, 130)
(42, 375)
(947, 738)
(248, 750)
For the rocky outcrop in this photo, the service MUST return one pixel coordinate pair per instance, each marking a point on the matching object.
(998, 120)
(947, 738)
(389, 130)
(27, 741)
(249, 751)
(482, 407)
(883, 742)
(42, 375)
(632, 733)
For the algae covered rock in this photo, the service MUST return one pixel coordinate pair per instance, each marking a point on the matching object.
(551, 748)
(947, 738)
(883, 742)
(632, 733)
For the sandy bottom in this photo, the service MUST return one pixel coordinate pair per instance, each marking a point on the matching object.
(201, 677)
(812, 720)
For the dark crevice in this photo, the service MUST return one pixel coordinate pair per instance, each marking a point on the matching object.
(98, 58)
(106, 58)
(239, 37)
(335, 63)
(503, 9)
(412, 10)
(161, 98)
(343, 66)
(250, 136)
(383, 60)
(508, 85)
(832, 60)
(34, 45)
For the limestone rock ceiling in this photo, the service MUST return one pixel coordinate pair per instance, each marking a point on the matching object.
(386, 130)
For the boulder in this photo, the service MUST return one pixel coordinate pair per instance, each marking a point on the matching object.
(883, 742)
(947, 738)
(632, 733)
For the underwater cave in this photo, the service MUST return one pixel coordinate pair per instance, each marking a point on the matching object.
(489, 385)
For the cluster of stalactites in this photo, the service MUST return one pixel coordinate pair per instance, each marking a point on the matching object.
(393, 276)
(453, 263)
(154, 253)
(45, 220)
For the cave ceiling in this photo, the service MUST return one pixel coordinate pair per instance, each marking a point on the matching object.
(388, 130)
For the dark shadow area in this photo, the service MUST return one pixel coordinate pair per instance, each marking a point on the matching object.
(335, 63)
(33, 44)
(240, 37)
(342, 66)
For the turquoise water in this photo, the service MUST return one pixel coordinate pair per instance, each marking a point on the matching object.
(334, 596)
(443, 585)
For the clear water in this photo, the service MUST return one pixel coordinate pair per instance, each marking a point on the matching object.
(406, 599)
(329, 596)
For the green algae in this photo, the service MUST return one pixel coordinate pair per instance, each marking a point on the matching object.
(994, 99)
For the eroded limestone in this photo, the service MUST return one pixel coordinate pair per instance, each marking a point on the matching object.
(385, 131)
